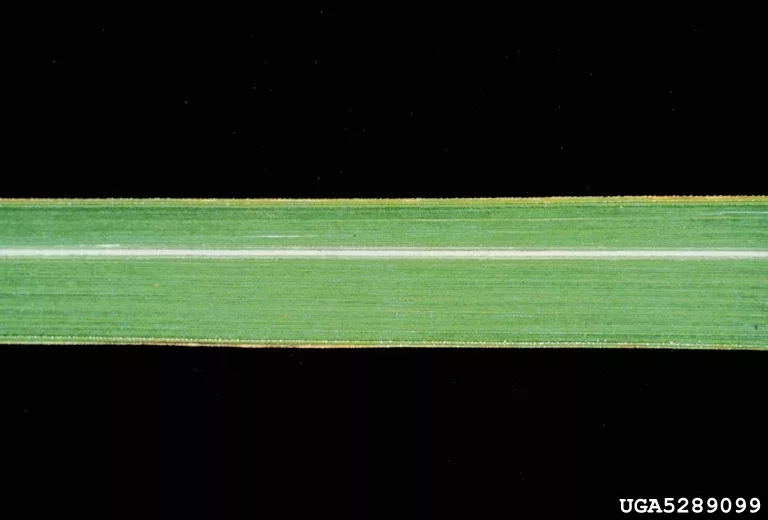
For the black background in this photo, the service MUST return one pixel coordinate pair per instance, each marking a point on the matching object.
(296, 102)
(373, 103)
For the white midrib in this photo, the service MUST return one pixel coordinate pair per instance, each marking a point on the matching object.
(482, 254)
